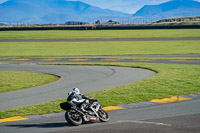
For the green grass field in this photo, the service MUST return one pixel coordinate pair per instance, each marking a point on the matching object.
(70, 34)
(63, 49)
(10, 80)
(171, 80)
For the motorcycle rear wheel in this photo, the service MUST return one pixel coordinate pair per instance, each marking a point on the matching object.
(103, 115)
(74, 121)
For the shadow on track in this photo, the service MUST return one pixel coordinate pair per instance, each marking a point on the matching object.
(42, 125)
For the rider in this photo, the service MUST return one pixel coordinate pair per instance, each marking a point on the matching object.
(73, 98)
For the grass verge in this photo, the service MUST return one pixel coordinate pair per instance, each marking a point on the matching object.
(102, 34)
(11, 80)
(63, 49)
(171, 80)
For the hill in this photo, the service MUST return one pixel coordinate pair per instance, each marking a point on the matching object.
(174, 8)
(52, 11)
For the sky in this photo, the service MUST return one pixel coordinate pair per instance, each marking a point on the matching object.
(126, 6)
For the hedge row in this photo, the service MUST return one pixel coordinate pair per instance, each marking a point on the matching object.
(100, 27)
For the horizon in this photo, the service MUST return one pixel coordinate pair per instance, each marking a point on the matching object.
(125, 6)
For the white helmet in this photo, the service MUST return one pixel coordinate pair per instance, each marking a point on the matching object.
(76, 90)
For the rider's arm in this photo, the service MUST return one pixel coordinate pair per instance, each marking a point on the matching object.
(70, 96)
(85, 97)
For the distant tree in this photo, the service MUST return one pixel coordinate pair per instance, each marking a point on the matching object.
(179, 19)
(1, 24)
(98, 22)
(112, 22)
(75, 23)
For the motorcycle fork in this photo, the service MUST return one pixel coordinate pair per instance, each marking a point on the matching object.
(95, 112)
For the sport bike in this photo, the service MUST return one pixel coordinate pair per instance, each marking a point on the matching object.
(93, 112)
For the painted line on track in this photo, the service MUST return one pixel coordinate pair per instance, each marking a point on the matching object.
(17, 118)
(110, 60)
(169, 100)
(78, 59)
(21, 59)
(145, 60)
(49, 59)
(145, 122)
(112, 108)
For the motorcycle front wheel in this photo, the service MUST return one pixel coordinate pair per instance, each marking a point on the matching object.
(103, 115)
(73, 118)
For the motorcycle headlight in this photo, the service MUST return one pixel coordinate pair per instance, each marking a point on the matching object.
(87, 101)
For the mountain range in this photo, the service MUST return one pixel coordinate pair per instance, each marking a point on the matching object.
(60, 11)
(52, 11)
(175, 8)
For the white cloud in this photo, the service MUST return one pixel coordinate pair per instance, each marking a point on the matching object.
(2, 1)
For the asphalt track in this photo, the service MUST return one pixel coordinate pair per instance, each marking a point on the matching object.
(103, 40)
(110, 59)
(178, 117)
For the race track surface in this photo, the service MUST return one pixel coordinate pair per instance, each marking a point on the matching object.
(87, 78)
(103, 40)
(113, 58)
(177, 117)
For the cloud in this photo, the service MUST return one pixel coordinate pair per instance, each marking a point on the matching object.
(2, 1)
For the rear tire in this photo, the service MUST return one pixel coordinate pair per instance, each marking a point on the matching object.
(74, 121)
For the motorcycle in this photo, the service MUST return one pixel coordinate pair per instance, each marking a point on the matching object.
(93, 112)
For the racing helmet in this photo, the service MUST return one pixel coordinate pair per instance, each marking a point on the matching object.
(76, 90)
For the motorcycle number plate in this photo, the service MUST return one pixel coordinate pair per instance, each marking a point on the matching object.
(93, 118)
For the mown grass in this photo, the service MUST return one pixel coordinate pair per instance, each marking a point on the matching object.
(62, 49)
(171, 80)
(10, 80)
(92, 34)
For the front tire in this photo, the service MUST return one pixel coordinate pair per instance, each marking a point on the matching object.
(103, 115)
(73, 118)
